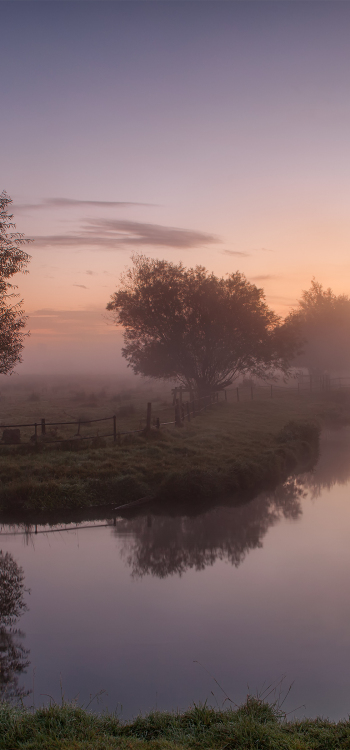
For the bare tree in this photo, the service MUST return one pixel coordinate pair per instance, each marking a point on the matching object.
(13, 259)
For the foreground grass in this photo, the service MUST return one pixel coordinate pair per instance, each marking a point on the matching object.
(254, 725)
(233, 448)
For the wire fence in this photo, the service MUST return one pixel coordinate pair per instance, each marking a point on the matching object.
(172, 415)
(46, 432)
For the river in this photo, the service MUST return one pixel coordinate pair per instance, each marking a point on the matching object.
(160, 611)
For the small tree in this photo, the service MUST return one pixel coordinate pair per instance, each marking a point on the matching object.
(12, 260)
(190, 325)
(323, 320)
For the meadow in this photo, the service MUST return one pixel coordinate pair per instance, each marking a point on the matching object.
(234, 448)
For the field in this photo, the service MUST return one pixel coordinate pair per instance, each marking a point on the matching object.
(231, 448)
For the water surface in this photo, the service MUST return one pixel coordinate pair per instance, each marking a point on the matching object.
(156, 610)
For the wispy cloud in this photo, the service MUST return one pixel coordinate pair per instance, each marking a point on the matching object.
(81, 286)
(74, 203)
(265, 277)
(114, 234)
(91, 273)
(235, 253)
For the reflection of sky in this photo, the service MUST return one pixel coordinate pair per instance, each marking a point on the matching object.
(224, 119)
(284, 610)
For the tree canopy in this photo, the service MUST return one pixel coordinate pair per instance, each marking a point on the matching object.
(323, 319)
(189, 325)
(12, 260)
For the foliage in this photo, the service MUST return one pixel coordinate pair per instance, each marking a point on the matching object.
(190, 325)
(324, 324)
(11, 590)
(13, 655)
(12, 260)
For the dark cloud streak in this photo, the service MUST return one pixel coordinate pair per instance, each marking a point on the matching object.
(110, 234)
(73, 203)
(235, 253)
(265, 277)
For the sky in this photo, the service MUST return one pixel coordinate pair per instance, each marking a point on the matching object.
(215, 133)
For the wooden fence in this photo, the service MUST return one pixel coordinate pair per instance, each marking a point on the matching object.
(176, 415)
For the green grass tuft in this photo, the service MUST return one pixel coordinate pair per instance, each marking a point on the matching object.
(256, 725)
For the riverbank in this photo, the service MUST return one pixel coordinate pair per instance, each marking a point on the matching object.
(234, 449)
(255, 724)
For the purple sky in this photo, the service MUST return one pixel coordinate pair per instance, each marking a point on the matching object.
(207, 132)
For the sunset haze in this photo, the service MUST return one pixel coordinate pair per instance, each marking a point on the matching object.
(212, 133)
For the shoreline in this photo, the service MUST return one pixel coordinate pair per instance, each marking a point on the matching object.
(229, 455)
(293, 450)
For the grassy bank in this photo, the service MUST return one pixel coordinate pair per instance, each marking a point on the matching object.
(254, 725)
(233, 449)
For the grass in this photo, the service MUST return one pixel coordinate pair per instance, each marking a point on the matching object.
(233, 449)
(256, 725)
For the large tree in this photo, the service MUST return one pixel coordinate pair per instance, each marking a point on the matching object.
(323, 319)
(12, 260)
(190, 325)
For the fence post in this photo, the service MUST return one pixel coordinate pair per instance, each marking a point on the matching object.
(114, 428)
(237, 389)
(43, 426)
(158, 423)
(148, 417)
(178, 422)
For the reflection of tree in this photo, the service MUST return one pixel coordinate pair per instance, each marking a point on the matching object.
(333, 466)
(13, 655)
(164, 545)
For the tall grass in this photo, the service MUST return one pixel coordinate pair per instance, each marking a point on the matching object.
(256, 725)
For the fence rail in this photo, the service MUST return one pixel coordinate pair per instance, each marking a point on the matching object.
(181, 411)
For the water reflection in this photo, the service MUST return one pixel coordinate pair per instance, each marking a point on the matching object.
(334, 466)
(13, 655)
(162, 545)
